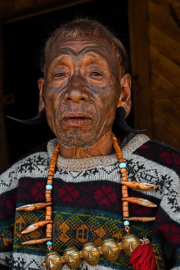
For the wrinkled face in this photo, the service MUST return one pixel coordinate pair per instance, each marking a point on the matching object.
(81, 90)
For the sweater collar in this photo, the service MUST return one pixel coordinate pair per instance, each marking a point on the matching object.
(69, 164)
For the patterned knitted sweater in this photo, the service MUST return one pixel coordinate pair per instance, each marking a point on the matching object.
(87, 204)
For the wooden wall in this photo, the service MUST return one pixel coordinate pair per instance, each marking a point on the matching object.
(159, 43)
(13, 10)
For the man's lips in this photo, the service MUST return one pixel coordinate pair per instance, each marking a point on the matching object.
(76, 120)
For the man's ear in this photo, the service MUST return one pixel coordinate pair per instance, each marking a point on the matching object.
(40, 86)
(125, 94)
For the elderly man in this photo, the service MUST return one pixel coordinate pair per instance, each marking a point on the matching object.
(79, 202)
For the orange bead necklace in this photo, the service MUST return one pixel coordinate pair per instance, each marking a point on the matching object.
(125, 244)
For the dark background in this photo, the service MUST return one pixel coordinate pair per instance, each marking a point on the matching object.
(23, 43)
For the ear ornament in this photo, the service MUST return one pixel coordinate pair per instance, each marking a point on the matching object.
(120, 126)
(37, 120)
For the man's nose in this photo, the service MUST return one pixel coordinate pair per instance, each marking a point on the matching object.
(77, 90)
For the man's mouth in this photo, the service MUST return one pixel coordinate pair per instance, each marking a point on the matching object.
(77, 120)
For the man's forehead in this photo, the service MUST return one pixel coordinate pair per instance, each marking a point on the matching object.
(81, 46)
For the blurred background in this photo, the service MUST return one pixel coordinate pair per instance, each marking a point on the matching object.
(150, 31)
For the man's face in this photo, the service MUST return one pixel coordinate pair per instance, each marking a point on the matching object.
(81, 90)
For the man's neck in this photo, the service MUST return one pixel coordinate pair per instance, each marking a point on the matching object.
(102, 147)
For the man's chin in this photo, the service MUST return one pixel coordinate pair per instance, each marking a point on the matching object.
(77, 140)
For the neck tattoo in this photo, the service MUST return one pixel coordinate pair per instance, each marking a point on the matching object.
(90, 252)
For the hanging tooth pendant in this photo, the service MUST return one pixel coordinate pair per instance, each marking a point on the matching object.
(36, 241)
(138, 185)
(140, 201)
(36, 226)
(33, 207)
(142, 219)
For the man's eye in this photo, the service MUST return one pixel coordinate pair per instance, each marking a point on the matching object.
(95, 73)
(59, 75)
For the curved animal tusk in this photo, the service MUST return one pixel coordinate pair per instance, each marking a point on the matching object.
(142, 219)
(36, 226)
(33, 207)
(138, 185)
(140, 201)
(37, 241)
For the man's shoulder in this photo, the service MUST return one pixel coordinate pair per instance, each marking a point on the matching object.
(30, 157)
(160, 153)
(33, 164)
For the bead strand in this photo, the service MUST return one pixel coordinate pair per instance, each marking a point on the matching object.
(48, 195)
(48, 204)
(122, 166)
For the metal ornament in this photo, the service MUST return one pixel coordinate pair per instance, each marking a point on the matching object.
(129, 243)
(72, 257)
(91, 253)
(110, 250)
(52, 261)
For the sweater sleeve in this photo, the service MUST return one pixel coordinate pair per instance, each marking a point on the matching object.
(161, 163)
(168, 230)
(8, 194)
(167, 224)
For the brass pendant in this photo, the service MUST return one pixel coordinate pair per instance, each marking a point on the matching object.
(91, 253)
(52, 261)
(72, 257)
(129, 243)
(110, 249)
